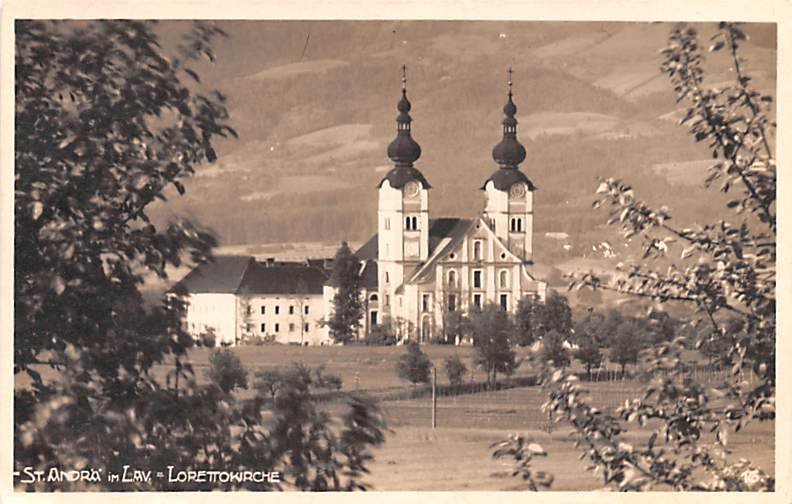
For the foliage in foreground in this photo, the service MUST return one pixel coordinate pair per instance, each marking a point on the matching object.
(105, 122)
(726, 271)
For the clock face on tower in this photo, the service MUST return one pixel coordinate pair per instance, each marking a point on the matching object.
(411, 189)
(517, 191)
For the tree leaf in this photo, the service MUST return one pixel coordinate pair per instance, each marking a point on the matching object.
(36, 210)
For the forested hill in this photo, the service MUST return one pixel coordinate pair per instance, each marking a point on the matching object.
(314, 104)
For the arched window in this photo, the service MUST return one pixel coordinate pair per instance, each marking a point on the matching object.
(503, 279)
(452, 278)
(477, 250)
(373, 297)
(516, 224)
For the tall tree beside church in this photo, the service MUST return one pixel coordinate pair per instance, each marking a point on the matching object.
(344, 323)
(526, 321)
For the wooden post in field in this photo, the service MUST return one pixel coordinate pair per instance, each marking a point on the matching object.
(434, 397)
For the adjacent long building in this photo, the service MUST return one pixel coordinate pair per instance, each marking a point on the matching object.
(240, 300)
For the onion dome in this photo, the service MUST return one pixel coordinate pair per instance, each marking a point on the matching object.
(403, 150)
(509, 152)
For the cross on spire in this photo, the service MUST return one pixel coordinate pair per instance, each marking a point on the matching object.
(510, 81)
(404, 77)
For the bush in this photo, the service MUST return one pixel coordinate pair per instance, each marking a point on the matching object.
(380, 335)
(259, 340)
(455, 369)
(207, 338)
(413, 365)
(225, 369)
(272, 382)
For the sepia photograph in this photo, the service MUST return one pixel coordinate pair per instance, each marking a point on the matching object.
(392, 254)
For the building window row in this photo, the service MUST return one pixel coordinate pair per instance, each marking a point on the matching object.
(477, 302)
(411, 223)
(276, 327)
(263, 310)
(478, 282)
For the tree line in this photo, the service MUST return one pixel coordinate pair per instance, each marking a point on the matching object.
(552, 331)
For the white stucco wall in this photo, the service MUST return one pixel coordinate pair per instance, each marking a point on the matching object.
(500, 207)
(285, 317)
(215, 310)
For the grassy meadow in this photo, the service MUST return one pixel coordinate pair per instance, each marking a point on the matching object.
(467, 424)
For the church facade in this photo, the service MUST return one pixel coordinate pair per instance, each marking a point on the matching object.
(417, 269)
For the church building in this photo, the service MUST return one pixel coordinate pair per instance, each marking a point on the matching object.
(417, 268)
(414, 272)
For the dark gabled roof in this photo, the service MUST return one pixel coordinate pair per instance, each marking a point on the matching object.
(369, 278)
(446, 227)
(367, 272)
(438, 230)
(452, 231)
(370, 250)
(323, 263)
(504, 178)
(282, 278)
(222, 275)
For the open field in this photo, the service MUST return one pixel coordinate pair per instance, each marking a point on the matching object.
(419, 458)
(459, 449)
(360, 367)
(369, 368)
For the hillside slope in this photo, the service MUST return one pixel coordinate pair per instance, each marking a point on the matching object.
(314, 103)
